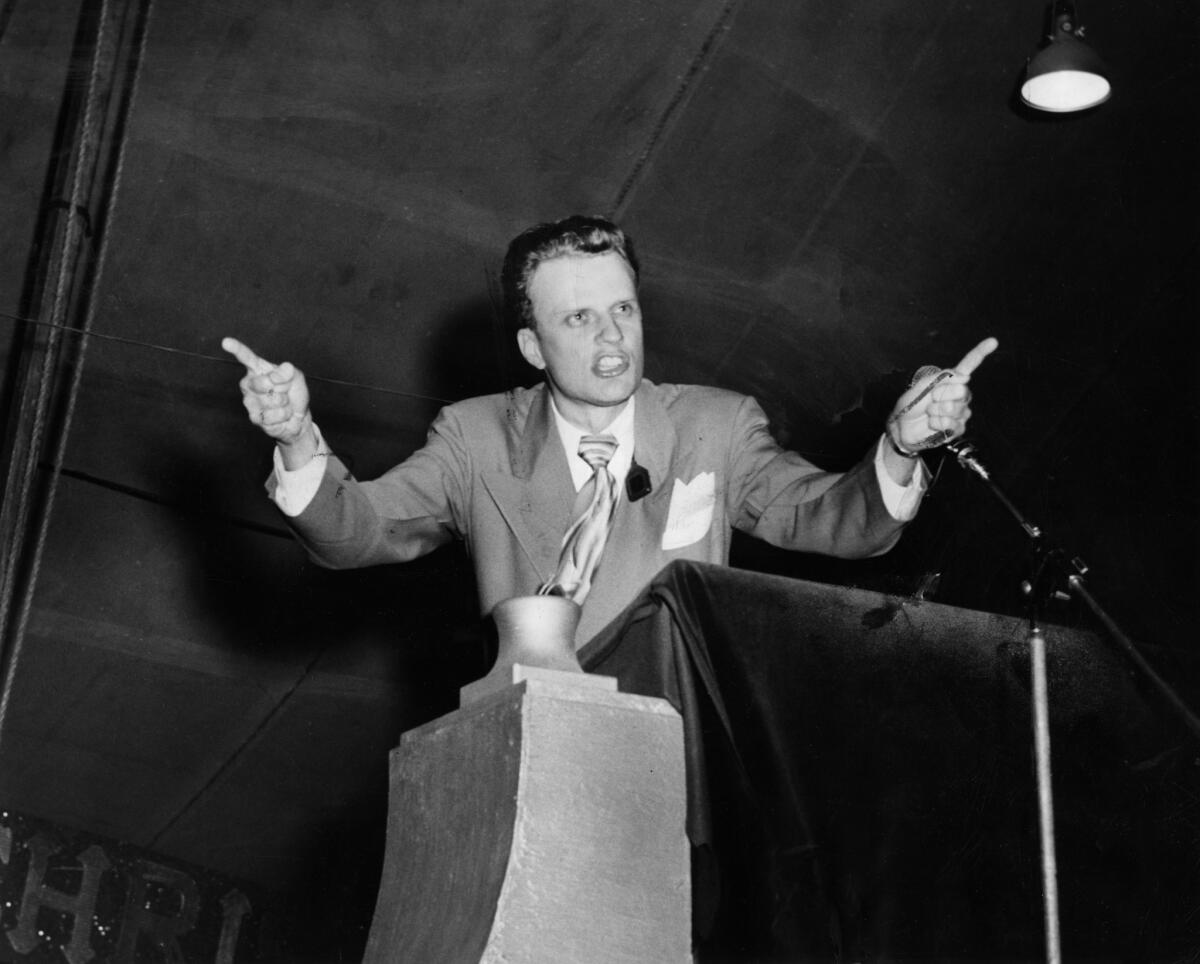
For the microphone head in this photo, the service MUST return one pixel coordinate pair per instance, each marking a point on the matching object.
(923, 372)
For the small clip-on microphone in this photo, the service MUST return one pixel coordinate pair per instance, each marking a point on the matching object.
(637, 482)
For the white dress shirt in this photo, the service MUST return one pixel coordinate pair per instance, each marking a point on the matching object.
(621, 429)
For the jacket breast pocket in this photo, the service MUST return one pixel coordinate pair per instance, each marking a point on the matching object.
(690, 514)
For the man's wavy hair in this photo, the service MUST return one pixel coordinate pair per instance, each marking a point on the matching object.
(577, 234)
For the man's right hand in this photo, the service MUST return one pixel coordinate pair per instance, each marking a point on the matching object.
(276, 399)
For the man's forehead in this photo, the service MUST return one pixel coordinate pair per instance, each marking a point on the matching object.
(575, 279)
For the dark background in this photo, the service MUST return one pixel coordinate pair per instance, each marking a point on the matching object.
(824, 196)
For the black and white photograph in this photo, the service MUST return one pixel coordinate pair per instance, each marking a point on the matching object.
(599, 482)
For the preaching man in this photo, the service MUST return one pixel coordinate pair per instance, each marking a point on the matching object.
(589, 483)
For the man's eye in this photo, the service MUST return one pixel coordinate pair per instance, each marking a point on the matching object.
(578, 318)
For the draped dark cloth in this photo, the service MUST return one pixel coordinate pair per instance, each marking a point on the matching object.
(860, 777)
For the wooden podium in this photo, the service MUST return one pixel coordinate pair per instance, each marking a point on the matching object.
(541, 822)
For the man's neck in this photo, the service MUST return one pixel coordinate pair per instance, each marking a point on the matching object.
(591, 419)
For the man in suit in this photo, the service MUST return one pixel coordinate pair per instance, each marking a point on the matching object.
(502, 472)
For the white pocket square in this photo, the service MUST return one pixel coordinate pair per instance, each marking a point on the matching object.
(690, 515)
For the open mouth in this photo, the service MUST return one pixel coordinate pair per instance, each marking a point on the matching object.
(610, 366)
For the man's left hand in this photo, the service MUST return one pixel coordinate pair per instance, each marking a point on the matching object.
(942, 414)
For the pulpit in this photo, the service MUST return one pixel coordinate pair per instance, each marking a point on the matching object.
(541, 823)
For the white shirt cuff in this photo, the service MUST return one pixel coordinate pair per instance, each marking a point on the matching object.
(295, 490)
(901, 501)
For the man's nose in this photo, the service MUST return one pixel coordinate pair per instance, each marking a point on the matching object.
(610, 330)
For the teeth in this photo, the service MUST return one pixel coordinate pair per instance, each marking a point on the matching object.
(610, 363)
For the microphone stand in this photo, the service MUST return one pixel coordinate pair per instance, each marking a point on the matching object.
(1072, 571)
(1051, 569)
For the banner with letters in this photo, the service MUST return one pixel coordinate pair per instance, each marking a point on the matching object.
(83, 899)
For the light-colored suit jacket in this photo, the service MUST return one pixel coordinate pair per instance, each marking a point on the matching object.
(493, 473)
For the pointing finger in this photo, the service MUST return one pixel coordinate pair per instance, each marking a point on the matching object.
(974, 358)
(254, 364)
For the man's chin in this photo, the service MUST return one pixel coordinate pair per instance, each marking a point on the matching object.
(614, 391)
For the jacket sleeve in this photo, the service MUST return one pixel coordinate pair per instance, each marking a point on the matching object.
(784, 499)
(408, 511)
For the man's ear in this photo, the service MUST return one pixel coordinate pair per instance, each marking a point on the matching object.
(527, 339)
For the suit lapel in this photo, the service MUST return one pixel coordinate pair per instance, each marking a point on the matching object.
(654, 442)
(536, 496)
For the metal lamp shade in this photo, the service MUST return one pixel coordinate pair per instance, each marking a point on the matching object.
(1065, 76)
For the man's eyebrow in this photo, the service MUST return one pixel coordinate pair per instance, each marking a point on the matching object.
(565, 311)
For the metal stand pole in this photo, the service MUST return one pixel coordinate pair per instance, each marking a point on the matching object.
(1041, 734)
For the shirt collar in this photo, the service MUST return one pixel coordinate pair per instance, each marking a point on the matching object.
(621, 429)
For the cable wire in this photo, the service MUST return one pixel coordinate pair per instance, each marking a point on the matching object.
(224, 359)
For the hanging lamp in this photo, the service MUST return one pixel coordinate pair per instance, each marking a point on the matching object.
(1066, 74)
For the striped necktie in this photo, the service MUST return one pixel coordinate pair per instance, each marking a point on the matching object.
(584, 541)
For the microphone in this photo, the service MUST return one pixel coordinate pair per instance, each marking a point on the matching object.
(637, 482)
(924, 372)
(965, 453)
